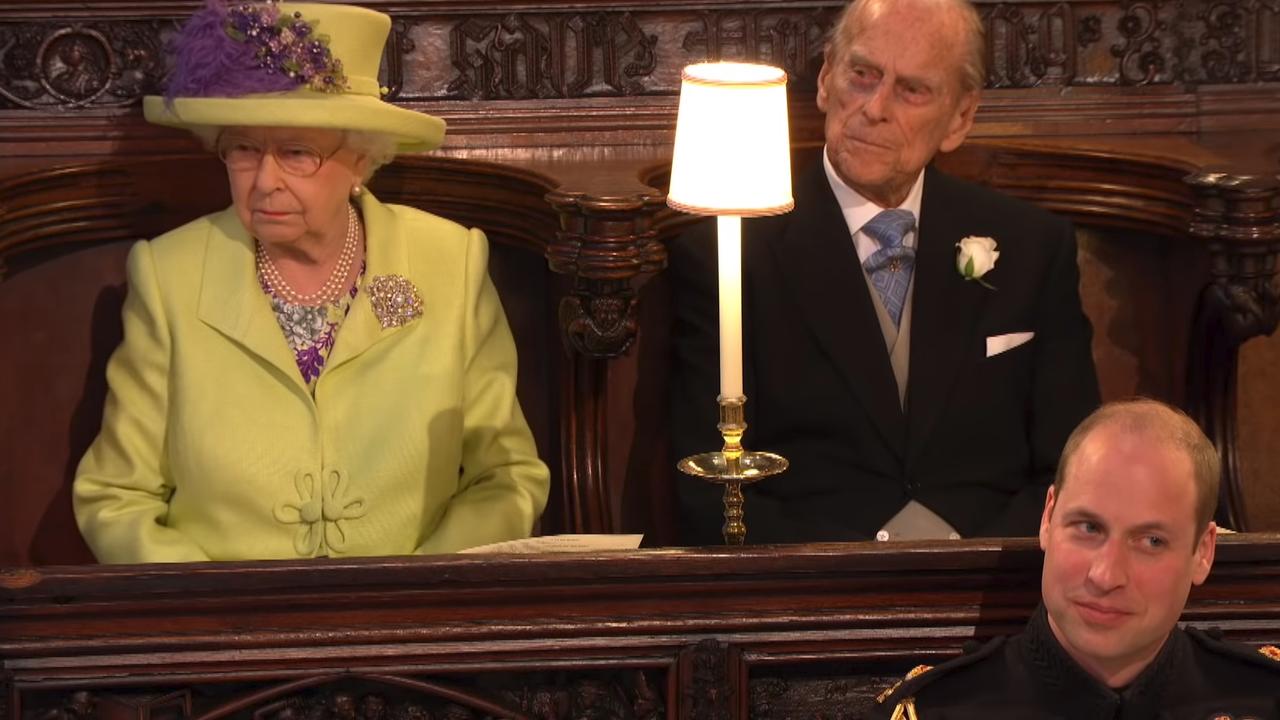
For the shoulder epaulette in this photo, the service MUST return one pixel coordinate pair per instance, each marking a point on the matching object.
(1267, 656)
(915, 672)
(903, 693)
(905, 710)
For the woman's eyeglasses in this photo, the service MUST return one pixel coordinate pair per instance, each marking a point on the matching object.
(293, 158)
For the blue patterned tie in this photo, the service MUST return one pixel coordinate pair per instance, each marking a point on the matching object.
(890, 267)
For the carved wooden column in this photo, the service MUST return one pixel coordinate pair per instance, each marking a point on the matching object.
(605, 245)
(1239, 216)
(712, 681)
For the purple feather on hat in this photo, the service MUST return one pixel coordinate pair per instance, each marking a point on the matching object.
(210, 61)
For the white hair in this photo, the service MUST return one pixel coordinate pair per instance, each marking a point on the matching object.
(378, 148)
(973, 71)
(207, 135)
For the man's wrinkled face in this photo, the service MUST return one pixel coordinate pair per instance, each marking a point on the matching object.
(1122, 551)
(893, 96)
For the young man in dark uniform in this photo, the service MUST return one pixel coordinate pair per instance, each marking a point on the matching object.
(1126, 532)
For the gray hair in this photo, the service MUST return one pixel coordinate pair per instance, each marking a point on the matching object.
(207, 135)
(973, 72)
(378, 148)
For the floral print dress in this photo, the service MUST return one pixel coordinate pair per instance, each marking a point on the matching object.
(310, 330)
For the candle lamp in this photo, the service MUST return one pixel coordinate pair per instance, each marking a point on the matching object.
(732, 159)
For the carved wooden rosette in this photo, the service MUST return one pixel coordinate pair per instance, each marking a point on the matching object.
(76, 65)
(1239, 217)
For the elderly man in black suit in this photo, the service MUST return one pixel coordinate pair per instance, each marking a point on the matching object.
(913, 344)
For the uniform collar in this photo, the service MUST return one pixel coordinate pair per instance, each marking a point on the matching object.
(1083, 695)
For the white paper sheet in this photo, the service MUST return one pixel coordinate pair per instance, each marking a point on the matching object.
(561, 543)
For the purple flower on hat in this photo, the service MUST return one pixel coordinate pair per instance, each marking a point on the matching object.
(232, 50)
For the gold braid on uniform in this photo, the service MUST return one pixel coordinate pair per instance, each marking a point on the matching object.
(906, 708)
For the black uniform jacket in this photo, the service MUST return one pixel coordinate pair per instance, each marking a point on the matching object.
(1196, 676)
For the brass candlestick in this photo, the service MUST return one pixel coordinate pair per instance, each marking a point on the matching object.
(733, 466)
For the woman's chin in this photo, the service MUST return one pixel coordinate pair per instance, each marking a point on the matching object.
(274, 235)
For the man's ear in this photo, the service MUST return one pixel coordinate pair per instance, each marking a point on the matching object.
(961, 121)
(1049, 499)
(823, 75)
(1206, 546)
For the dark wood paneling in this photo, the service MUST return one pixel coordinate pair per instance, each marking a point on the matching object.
(675, 633)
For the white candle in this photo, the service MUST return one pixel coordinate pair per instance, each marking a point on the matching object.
(729, 229)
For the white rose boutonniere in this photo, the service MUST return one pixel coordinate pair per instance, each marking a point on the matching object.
(976, 256)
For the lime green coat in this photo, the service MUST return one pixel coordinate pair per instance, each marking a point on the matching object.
(213, 449)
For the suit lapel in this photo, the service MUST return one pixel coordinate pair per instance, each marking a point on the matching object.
(820, 265)
(385, 254)
(945, 311)
(232, 302)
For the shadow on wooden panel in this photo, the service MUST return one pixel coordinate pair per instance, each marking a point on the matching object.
(62, 320)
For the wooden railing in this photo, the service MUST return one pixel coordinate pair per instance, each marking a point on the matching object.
(765, 632)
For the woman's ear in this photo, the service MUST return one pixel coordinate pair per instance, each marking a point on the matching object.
(361, 170)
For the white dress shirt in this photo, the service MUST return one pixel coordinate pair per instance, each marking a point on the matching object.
(858, 210)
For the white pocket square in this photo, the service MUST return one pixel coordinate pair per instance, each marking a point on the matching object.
(997, 344)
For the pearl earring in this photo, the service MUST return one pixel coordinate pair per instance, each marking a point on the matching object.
(356, 190)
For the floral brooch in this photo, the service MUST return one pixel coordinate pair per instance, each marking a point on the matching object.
(975, 258)
(395, 300)
(288, 45)
(250, 47)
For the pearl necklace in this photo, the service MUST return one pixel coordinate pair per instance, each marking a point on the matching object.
(336, 283)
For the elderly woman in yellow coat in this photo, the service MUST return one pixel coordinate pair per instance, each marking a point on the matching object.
(309, 372)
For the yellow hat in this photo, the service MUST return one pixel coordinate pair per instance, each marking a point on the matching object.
(268, 64)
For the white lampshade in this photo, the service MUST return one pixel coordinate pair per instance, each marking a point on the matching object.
(733, 150)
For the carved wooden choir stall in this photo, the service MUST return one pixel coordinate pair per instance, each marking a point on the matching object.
(1154, 126)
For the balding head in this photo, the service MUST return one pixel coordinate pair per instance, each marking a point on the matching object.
(969, 33)
(1158, 423)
